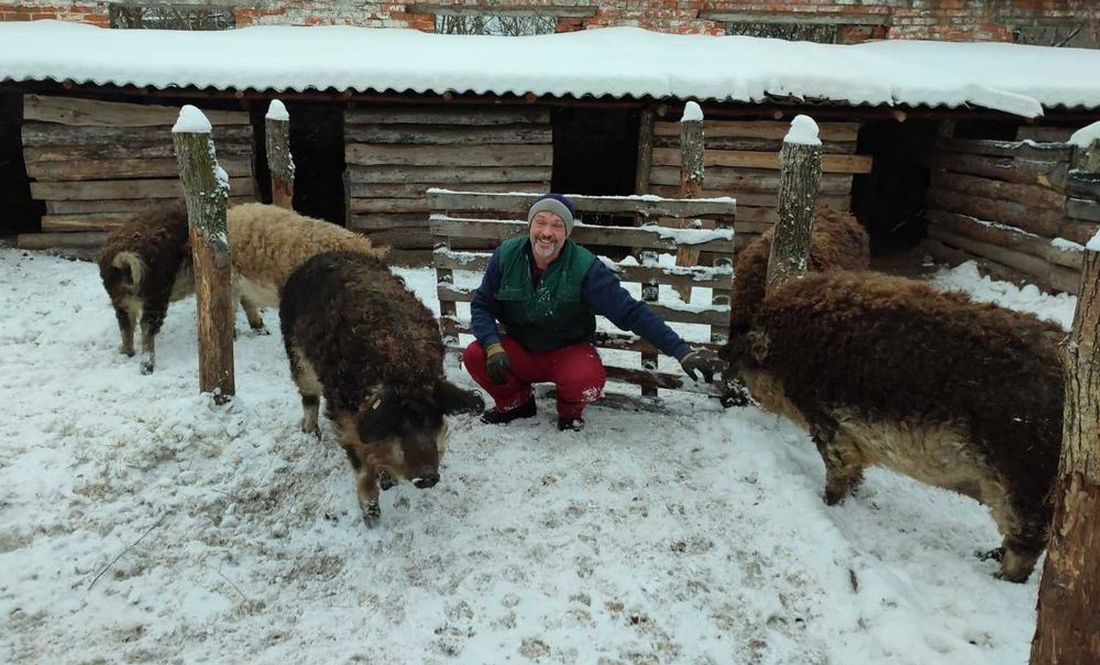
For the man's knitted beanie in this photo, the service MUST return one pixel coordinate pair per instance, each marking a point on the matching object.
(559, 204)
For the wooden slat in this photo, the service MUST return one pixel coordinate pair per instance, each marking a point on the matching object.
(112, 205)
(621, 341)
(1041, 221)
(387, 221)
(647, 237)
(1083, 209)
(1028, 195)
(1044, 134)
(162, 149)
(1060, 277)
(90, 112)
(125, 189)
(757, 199)
(126, 168)
(1004, 237)
(1026, 171)
(757, 180)
(37, 134)
(756, 145)
(762, 129)
(386, 205)
(85, 240)
(620, 205)
(452, 115)
(449, 155)
(1083, 185)
(447, 175)
(419, 189)
(763, 160)
(449, 135)
(954, 256)
(1050, 152)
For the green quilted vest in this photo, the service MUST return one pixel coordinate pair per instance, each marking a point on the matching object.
(552, 315)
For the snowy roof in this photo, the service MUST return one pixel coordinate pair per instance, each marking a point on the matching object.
(616, 62)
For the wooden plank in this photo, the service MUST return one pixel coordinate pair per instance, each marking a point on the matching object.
(448, 175)
(758, 180)
(90, 112)
(449, 134)
(388, 221)
(419, 189)
(1048, 152)
(763, 160)
(90, 240)
(756, 145)
(449, 115)
(757, 199)
(620, 205)
(1028, 195)
(46, 135)
(700, 276)
(1041, 221)
(162, 149)
(126, 168)
(1044, 134)
(449, 155)
(112, 205)
(125, 189)
(1083, 209)
(1026, 171)
(1005, 237)
(644, 159)
(762, 129)
(1060, 277)
(420, 205)
(647, 237)
(953, 256)
(1081, 185)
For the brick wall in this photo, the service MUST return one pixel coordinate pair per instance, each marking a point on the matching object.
(955, 20)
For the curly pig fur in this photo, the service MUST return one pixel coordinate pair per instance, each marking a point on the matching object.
(838, 242)
(888, 371)
(144, 265)
(354, 333)
(269, 242)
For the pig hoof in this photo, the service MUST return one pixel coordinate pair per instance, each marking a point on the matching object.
(146, 367)
(260, 331)
(832, 498)
(372, 513)
(995, 554)
(385, 480)
(129, 353)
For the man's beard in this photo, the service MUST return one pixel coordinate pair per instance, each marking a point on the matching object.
(545, 250)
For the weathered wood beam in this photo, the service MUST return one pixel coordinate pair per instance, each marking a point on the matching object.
(90, 112)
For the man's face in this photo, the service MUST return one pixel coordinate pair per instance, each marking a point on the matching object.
(547, 236)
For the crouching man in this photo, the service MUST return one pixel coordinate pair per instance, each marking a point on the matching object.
(546, 290)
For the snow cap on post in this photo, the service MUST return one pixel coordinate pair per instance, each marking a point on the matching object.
(692, 113)
(803, 130)
(191, 121)
(276, 110)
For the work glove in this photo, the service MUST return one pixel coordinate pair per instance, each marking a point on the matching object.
(496, 362)
(703, 361)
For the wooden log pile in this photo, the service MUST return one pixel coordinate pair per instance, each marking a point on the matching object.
(741, 160)
(95, 163)
(1017, 208)
(394, 155)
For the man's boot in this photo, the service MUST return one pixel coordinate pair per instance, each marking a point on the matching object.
(495, 416)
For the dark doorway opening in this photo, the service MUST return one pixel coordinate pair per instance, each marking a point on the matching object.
(20, 213)
(889, 201)
(595, 150)
(317, 146)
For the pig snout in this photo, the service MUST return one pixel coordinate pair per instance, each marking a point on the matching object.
(425, 480)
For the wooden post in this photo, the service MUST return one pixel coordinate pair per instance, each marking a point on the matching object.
(800, 173)
(279, 160)
(206, 188)
(1068, 628)
(691, 179)
(650, 294)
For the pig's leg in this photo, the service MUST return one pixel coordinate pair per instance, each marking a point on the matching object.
(309, 387)
(1023, 528)
(126, 319)
(152, 317)
(843, 460)
(366, 489)
(255, 318)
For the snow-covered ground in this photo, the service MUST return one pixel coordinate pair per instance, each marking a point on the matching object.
(140, 523)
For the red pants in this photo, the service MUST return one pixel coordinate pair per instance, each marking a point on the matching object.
(576, 370)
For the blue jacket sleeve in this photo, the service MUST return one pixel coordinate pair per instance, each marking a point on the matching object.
(605, 296)
(485, 308)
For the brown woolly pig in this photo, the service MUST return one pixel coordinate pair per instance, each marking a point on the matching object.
(354, 333)
(888, 371)
(269, 242)
(144, 265)
(838, 242)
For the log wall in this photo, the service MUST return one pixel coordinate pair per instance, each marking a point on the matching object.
(394, 155)
(741, 160)
(95, 163)
(1017, 208)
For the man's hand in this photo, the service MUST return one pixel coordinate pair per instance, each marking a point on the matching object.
(703, 361)
(496, 362)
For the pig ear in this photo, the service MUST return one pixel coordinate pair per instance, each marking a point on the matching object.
(378, 416)
(453, 399)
